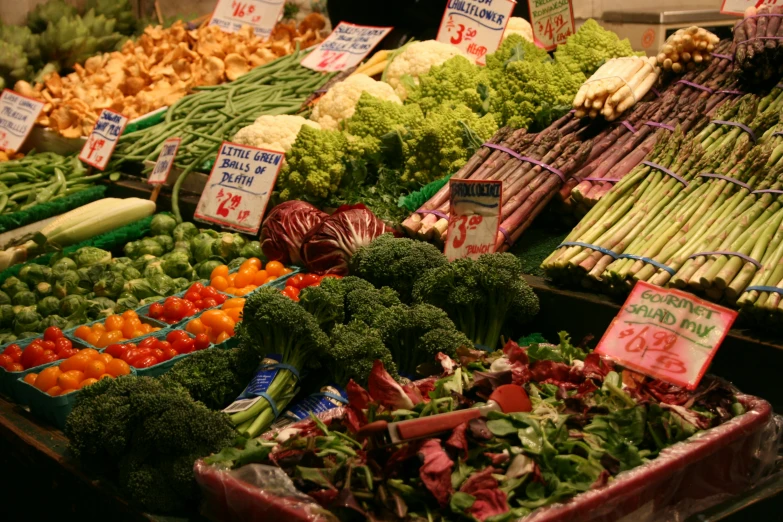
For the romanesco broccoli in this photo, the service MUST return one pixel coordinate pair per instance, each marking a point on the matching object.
(455, 80)
(590, 46)
(314, 166)
(375, 117)
(514, 48)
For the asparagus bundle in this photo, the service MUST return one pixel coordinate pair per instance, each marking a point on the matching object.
(615, 87)
(757, 41)
(686, 49)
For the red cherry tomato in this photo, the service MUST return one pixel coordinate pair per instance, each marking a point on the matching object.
(159, 354)
(63, 343)
(184, 345)
(116, 350)
(163, 345)
(176, 335)
(49, 345)
(52, 334)
(14, 351)
(209, 292)
(144, 361)
(192, 296)
(173, 309)
(170, 353)
(164, 355)
(5, 361)
(202, 341)
(291, 292)
(199, 304)
(220, 298)
(64, 354)
(295, 280)
(156, 310)
(196, 287)
(148, 342)
(309, 280)
(31, 354)
(210, 302)
(47, 357)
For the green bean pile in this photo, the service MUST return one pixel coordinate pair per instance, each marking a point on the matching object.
(40, 178)
(204, 119)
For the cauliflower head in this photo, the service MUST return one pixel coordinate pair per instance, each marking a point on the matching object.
(520, 26)
(339, 103)
(273, 132)
(415, 60)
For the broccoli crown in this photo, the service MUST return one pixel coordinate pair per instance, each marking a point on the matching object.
(314, 166)
(363, 304)
(396, 262)
(481, 297)
(274, 324)
(354, 347)
(590, 46)
(415, 334)
(326, 302)
(214, 377)
(375, 118)
(455, 80)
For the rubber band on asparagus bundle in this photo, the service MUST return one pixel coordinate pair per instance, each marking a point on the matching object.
(597, 248)
(776, 133)
(659, 125)
(727, 253)
(656, 92)
(727, 178)
(723, 56)
(767, 191)
(760, 38)
(515, 154)
(627, 124)
(730, 91)
(696, 86)
(506, 236)
(604, 93)
(665, 171)
(763, 288)
(649, 261)
(437, 213)
(742, 126)
(608, 180)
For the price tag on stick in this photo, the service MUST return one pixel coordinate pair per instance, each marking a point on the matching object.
(17, 117)
(475, 26)
(668, 334)
(261, 15)
(474, 217)
(552, 21)
(162, 169)
(104, 137)
(345, 47)
(239, 187)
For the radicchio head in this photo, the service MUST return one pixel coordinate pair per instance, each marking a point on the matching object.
(284, 230)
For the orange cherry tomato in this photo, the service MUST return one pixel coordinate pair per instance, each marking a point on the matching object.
(243, 291)
(47, 378)
(127, 329)
(259, 277)
(219, 283)
(95, 369)
(75, 362)
(114, 322)
(231, 290)
(243, 278)
(106, 376)
(91, 353)
(231, 278)
(87, 382)
(70, 379)
(54, 391)
(99, 327)
(249, 266)
(117, 367)
(234, 302)
(93, 338)
(105, 357)
(67, 391)
(224, 336)
(254, 262)
(274, 268)
(30, 378)
(286, 271)
(108, 338)
(270, 279)
(129, 314)
(195, 326)
(82, 332)
(219, 271)
(137, 333)
(234, 313)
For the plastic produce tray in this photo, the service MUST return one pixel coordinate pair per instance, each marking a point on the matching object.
(686, 478)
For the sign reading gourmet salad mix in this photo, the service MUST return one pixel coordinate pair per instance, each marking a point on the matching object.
(668, 334)
(345, 47)
(475, 26)
(262, 15)
(239, 187)
(104, 137)
(162, 169)
(474, 217)
(17, 117)
(552, 21)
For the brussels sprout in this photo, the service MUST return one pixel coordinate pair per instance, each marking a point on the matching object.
(183, 246)
(7, 337)
(176, 264)
(24, 298)
(43, 289)
(201, 246)
(151, 247)
(29, 335)
(62, 265)
(205, 268)
(131, 249)
(236, 263)
(162, 284)
(119, 264)
(151, 299)
(165, 241)
(27, 320)
(181, 284)
(67, 284)
(163, 223)
(142, 261)
(88, 277)
(89, 256)
(130, 273)
(17, 308)
(54, 320)
(99, 307)
(140, 288)
(4, 298)
(7, 315)
(12, 285)
(32, 274)
(153, 268)
(48, 306)
(109, 285)
(228, 245)
(252, 249)
(73, 305)
(184, 231)
(126, 301)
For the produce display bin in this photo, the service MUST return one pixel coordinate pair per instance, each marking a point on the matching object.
(685, 478)
(146, 320)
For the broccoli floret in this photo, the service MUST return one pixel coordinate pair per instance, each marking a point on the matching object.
(214, 377)
(363, 304)
(455, 80)
(314, 166)
(395, 262)
(326, 302)
(353, 349)
(415, 334)
(591, 46)
(482, 297)
(274, 324)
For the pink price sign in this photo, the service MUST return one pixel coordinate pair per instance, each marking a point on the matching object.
(475, 26)
(262, 15)
(474, 218)
(552, 21)
(668, 334)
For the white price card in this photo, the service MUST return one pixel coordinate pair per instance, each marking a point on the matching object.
(474, 217)
(345, 47)
(162, 169)
(552, 21)
(104, 137)
(239, 187)
(17, 117)
(475, 26)
(262, 15)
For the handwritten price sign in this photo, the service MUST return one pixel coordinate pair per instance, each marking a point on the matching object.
(552, 21)
(17, 117)
(103, 138)
(262, 15)
(162, 169)
(475, 26)
(668, 334)
(737, 7)
(239, 187)
(345, 47)
(474, 218)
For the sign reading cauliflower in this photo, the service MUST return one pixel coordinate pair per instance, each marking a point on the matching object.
(339, 103)
(273, 132)
(417, 59)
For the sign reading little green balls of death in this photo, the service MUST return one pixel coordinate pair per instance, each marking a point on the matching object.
(239, 187)
(17, 117)
(666, 333)
(475, 26)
